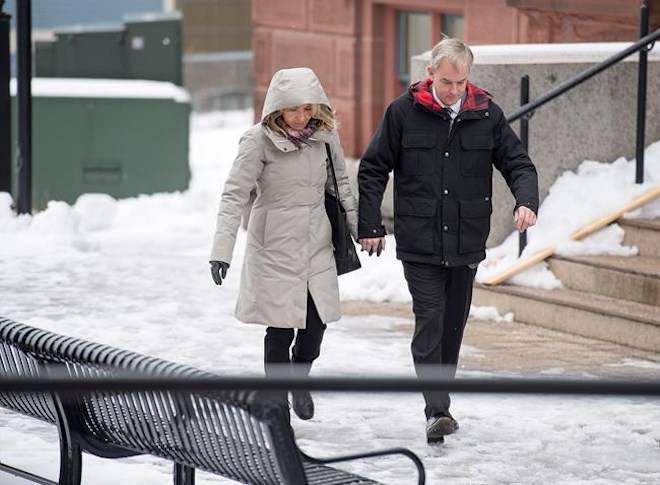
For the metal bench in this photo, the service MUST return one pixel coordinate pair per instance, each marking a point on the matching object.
(239, 435)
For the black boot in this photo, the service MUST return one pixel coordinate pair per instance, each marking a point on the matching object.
(301, 401)
(278, 397)
(276, 361)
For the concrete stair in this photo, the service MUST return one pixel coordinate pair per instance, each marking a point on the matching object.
(643, 233)
(612, 298)
(629, 278)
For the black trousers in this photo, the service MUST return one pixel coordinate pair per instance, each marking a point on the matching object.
(441, 303)
(308, 340)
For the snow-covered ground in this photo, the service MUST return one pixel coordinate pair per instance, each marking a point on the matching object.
(134, 274)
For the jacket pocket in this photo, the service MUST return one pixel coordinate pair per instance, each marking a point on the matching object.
(256, 226)
(286, 240)
(476, 156)
(474, 224)
(417, 155)
(414, 224)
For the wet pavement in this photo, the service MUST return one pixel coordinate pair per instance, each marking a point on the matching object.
(526, 349)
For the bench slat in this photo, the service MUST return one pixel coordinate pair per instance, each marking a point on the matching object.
(244, 436)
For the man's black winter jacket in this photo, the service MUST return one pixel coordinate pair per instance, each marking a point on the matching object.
(442, 177)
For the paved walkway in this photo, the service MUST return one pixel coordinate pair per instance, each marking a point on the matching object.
(528, 349)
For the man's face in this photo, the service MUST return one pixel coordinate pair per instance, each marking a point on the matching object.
(449, 81)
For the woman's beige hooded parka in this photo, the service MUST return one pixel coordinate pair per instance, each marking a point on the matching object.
(289, 248)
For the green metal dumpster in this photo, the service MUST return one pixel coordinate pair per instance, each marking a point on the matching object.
(147, 46)
(118, 137)
(44, 57)
(96, 51)
(154, 48)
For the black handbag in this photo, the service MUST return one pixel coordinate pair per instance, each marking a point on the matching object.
(346, 256)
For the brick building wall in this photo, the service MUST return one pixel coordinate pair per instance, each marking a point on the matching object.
(550, 21)
(352, 44)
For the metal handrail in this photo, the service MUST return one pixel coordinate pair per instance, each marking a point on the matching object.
(643, 46)
(5, 103)
(497, 385)
(526, 110)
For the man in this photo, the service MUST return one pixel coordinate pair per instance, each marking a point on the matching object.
(441, 138)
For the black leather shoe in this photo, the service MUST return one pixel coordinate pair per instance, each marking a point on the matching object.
(438, 426)
(302, 404)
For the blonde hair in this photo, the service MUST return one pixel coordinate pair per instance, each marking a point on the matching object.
(454, 50)
(320, 112)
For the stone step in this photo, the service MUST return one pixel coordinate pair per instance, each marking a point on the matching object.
(634, 278)
(587, 314)
(643, 233)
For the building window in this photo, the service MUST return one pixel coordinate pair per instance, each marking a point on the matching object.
(413, 37)
(452, 25)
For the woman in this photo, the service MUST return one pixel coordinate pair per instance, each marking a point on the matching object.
(289, 278)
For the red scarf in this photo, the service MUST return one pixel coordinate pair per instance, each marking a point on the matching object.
(475, 99)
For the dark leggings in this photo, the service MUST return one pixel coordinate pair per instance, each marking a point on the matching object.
(308, 340)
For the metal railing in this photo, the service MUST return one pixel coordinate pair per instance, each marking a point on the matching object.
(496, 385)
(60, 383)
(5, 103)
(24, 107)
(643, 46)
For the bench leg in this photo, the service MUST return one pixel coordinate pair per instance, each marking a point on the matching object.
(70, 462)
(183, 475)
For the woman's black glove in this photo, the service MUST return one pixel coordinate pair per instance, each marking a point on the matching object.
(219, 271)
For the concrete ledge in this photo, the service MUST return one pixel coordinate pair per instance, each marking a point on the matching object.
(584, 52)
(586, 314)
(643, 233)
(628, 278)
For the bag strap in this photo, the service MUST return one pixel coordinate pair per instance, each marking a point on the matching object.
(332, 170)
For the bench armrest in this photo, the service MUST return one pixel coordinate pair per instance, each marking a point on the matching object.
(390, 451)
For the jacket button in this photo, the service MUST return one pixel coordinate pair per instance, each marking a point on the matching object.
(446, 192)
(446, 154)
(486, 114)
(445, 228)
(487, 198)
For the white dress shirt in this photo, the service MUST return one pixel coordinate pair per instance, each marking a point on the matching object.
(454, 109)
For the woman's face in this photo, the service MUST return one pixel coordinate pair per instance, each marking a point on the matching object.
(298, 117)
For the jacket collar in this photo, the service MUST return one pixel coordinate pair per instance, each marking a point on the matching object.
(476, 99)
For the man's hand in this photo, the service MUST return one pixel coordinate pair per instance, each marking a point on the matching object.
(219, 271)
(373, 244)
(524, 218)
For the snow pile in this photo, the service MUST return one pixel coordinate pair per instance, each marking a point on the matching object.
(379, 279)
(489, 313)
(96, 211)
(104, 88)
(577, 198)
(607, 241)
